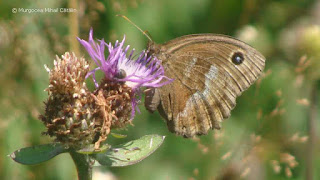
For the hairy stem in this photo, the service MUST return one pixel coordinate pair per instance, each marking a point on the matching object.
(83, 165)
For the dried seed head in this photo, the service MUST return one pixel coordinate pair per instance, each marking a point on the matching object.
(72, 114)
(67, 75)
(118, 96)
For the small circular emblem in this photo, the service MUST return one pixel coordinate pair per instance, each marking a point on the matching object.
(237, 58)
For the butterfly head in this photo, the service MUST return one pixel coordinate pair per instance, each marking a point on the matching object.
(153, 48)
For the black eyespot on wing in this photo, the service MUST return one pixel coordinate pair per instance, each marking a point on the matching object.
(121, 74)
(237, 58)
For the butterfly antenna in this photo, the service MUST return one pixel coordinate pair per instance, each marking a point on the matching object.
(143, 32)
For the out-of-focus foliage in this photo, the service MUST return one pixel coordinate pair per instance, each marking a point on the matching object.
(267, 132)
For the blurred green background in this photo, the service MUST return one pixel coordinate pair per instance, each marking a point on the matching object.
(267, 134)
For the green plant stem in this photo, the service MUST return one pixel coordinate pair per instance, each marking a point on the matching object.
(83, 165)
(311, 132)
(74, 28)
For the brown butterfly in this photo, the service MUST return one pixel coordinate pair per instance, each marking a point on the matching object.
(210, 72)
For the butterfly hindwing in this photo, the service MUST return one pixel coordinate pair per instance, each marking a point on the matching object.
(207, 80)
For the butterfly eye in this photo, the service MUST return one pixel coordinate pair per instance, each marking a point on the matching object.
(237, 58)
(121, 74)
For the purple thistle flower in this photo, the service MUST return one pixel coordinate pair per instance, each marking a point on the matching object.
(145, 71)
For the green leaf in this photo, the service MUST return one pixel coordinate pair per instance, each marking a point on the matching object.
(131, 152)
(91, 150)
(119, 136)
(37, 154)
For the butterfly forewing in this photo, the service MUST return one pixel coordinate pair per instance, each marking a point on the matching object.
(210, 71)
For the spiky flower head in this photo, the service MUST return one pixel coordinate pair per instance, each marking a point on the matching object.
(77, 117)
(118, 68)
(73, 115)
